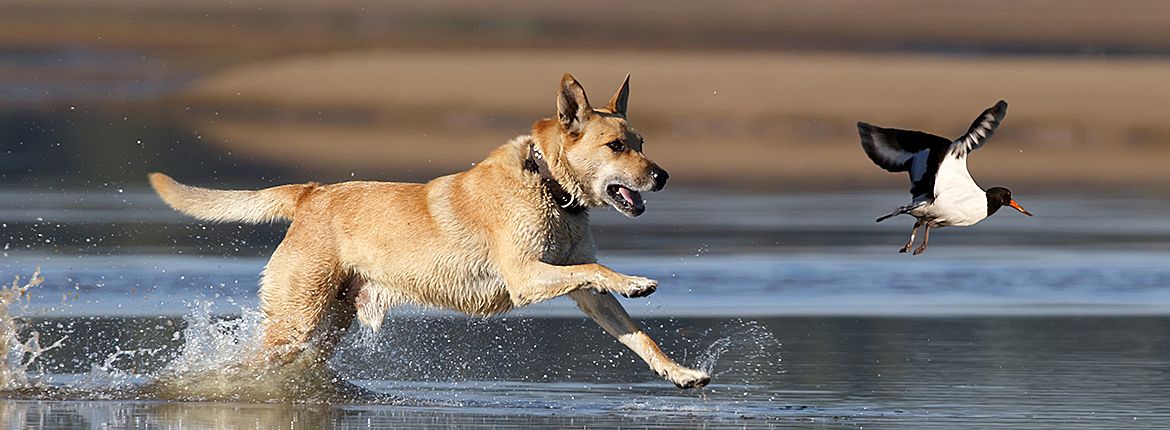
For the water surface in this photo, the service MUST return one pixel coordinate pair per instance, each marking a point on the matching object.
(800, 306)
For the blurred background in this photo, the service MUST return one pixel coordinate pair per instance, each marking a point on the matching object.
(751, 106)
(757, 95)
(764, 242)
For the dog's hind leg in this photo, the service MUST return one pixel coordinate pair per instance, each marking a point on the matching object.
(339, 315)
(298, 293)
(609, 314)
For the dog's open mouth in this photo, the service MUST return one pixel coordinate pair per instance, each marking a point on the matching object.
(625, 200)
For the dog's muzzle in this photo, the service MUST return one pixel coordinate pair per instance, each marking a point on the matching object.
(659, 176)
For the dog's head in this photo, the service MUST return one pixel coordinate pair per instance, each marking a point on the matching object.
(595, 153)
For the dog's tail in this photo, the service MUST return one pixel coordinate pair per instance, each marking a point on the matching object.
(259, 206)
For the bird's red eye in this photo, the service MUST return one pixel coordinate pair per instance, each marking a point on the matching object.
(616, 146)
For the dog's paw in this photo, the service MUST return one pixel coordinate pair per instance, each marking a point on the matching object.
(689, 378)
(637, 286)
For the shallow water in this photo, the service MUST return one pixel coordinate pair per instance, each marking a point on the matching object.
(799, 305)
(998, 372)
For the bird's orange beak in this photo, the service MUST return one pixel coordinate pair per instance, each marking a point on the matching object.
(1017, 206)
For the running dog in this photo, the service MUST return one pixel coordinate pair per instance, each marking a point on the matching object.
(511, 231)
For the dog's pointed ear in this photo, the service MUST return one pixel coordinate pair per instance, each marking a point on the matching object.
(621, 99)
(572, 105)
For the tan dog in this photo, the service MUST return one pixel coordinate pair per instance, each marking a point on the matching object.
(512, 231)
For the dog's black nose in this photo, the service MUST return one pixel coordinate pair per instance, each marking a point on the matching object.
(660, 176)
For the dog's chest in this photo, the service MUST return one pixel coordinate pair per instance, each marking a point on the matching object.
(559, 239)
(482, 290)
(564, 239)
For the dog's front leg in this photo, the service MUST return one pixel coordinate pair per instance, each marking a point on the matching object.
(537, 281)
(609, 314)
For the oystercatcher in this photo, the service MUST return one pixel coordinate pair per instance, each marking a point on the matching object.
(944, 193)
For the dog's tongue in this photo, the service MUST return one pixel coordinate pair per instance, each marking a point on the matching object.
(632, 197)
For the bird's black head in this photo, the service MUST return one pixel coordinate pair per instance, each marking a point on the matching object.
(998, 197)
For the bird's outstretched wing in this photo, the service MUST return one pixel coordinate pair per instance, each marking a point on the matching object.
(893, 149)
(905, 151)
(980, 130)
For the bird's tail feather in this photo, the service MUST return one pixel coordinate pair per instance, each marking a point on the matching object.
(896, 212)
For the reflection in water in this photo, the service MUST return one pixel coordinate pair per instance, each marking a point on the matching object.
(1002, 372)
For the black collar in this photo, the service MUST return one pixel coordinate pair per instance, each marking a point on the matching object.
(537, 164)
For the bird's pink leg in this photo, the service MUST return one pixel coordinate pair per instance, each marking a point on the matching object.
(925, 239)
(909, 243)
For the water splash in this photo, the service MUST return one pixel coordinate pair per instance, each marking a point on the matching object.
(222, 359)
(757, 353)
(19, 356)
(218, 360)
(106, 379)
(711, 356)
(213, 355)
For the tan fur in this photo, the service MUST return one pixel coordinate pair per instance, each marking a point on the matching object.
(277, 203)
(482, 242)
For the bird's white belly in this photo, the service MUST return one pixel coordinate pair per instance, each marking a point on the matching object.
(958, 201)
(963, 211)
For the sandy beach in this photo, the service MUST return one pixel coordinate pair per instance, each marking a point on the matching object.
(772, 120)
(762, 95)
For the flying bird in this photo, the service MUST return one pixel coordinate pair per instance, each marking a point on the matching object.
(944, 192)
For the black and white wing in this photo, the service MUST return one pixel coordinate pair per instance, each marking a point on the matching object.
(910, 151)
(980, 130)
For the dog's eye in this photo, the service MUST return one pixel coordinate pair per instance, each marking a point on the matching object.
(616, 146)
